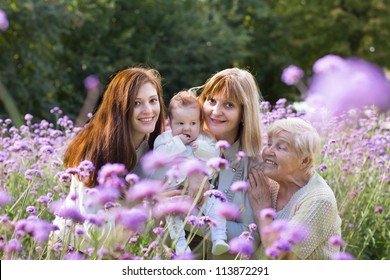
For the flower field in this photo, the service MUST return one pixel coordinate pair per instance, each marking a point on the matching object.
(354, 160)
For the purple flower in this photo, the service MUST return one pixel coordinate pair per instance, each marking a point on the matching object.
(71, 213)
(154, 160)
(337, 241)
(31, 210)
(28, 117)
(241, 246)
(132, 219)
(74, 256)
(291, 75)
(222, 144)
(144, 189)
(215, 193)
(4, 24)
(170, 206)
(378, 209)
(132, 178)
(239, 186)
(218, 163)
(229, 211)
(91, 83)
(184, 257)
(252, 227)
(267, 213)
(349, 84)
(13, 246)
(5, 198)
(110, 173)
(342, 256)
(328, 63)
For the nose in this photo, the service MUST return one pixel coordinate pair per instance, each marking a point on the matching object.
(186, 127)
(217, 109)
(147, 108)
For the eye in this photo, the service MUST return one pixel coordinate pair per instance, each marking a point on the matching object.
(137, 103)
(193, 123)
(154, 101)
(229, 105)
(211, 100)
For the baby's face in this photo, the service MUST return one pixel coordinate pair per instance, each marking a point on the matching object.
(185, 121)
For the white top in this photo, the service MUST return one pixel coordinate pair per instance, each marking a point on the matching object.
(168, 144)
(103, 236)
(315, 206)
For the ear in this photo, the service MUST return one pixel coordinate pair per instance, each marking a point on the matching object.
(306, 162)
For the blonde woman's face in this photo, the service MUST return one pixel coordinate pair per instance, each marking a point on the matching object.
(146, 111)
(222, 117)
(280, 159)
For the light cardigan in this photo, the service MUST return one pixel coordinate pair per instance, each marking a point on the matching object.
(103, 236)
(313, 205)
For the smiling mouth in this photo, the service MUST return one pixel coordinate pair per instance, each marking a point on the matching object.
(270, 162)
(146, 119)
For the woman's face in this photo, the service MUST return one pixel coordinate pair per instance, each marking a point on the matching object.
(146, 112)
(222, 117)
(280, 160)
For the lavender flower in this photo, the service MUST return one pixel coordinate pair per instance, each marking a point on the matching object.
(343, 256)
(144, 189)
(13, 246)
(229, 211)
(4, 24)
(5, 198)
(267, 213)
(291, 75)
(241, 246)
(216, 193)
(239, 186)
(222, 144)
(132, 219)
(91, 83)
(347, 84)
(218, 163)
(337, 241)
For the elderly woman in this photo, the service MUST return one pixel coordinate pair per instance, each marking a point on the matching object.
(302, 196)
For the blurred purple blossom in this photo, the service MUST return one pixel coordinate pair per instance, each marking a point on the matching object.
(291, 75)
(91, 83)
(337, 241)
(218, 163)
(229, 210)
(243, 246)
(13, 246)
(170, 206)
(144, 189)
(343, 256)
(216, 193)
(339, 85)
(267, 213)
(223, 144)
(5, 198)
(133, 218)
(239, 186)
(4, 23)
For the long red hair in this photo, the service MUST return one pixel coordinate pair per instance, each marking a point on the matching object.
(107, 137)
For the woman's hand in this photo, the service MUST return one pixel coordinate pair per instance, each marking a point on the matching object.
(259, 191)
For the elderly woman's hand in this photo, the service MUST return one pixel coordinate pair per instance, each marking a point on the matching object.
(259, 191)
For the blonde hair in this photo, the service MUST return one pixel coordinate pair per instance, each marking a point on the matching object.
(305, 138)
(240, 86)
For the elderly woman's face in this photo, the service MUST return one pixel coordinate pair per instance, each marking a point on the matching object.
(280, 159)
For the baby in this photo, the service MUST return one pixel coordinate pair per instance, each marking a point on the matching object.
(186, 138)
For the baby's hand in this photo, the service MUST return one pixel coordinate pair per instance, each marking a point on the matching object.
(185, 138)
(195, 145)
